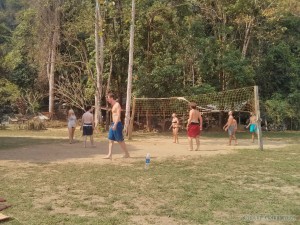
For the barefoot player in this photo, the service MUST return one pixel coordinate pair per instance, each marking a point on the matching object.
(116, 129)
(175, 127)
(194, 126)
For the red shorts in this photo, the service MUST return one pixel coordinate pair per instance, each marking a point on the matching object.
(193, 130)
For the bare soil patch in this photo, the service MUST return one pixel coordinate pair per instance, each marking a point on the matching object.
(160, 147)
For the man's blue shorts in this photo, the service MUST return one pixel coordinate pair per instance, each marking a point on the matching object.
(252, 128)
(116, 135)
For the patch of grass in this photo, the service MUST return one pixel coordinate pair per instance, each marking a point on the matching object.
(215, 190)
(291, 135)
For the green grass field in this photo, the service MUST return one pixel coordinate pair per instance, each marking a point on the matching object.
(242, 188)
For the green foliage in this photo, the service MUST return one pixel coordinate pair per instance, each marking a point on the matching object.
(279, 109)
(278, 71)
(162, 81)
(239, 70)
(294, 101)
(198, 90)
(8, 11)
(9, 92)
(19, 61)
(184, 47)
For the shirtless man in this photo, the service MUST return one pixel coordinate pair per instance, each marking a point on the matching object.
(116, 129)
(87, 125)
(194, 126)
(229, 126)
(253, 125)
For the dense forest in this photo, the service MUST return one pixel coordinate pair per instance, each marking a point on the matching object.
(48, 51)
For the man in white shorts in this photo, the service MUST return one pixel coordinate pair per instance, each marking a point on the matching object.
(230, 127)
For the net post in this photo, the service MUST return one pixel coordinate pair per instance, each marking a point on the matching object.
(131, 120)
(257, 113)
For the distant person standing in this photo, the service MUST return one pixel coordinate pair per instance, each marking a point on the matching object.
(116, 129)
(87, 125)
(253, 125)
(71, 125)
(234, 124)
(194, 126)
(229, 126)
(175, 127)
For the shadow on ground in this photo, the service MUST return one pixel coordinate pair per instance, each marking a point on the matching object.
(37, 150)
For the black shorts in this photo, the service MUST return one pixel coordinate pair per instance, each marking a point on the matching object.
(87, 129)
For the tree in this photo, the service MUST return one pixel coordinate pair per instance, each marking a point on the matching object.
(9, 94)
(181, 47)
(279, 110)
(32, 99)
(75, 90)
(130, 67)
(99, 55)
(277, 71)
(76, 77)
(53, 22)
(8, 22)
(19, 62)
(46, 26)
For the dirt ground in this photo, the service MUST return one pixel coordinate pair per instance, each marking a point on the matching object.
(159, 147)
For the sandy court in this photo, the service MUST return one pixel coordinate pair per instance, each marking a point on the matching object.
(160, 147)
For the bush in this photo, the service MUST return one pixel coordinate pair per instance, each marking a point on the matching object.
(36, 125)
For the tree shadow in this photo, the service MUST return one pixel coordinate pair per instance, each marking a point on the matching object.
(37, 150)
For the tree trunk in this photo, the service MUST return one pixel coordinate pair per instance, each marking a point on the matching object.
(99, 46)
(52, 60)
(247, 37)
(51, 77)
(107, 121)
(130, 66)
(110, 74)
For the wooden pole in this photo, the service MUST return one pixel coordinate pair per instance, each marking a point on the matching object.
(131, 120)
(257, 113)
